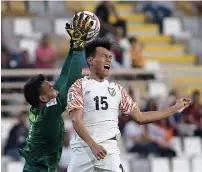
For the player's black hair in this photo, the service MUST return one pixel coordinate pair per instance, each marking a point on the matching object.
(32, 90)
(90, 48)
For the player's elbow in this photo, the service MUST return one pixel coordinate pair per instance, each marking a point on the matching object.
(139, 119)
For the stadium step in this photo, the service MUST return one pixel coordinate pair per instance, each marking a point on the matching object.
(153, 48)
(119, 7)
(155, 40)
(130, 18)
(188, 80)
(4, 7)
(180, 60)
(144, 29)
(161, 50)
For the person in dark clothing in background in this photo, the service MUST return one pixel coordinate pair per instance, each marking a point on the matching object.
(25, 62)
(103, 13)
(17, 137)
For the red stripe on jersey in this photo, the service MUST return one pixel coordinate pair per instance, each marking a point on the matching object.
(75, 96)
(127, 104)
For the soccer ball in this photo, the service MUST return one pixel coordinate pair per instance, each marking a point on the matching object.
(94, 31)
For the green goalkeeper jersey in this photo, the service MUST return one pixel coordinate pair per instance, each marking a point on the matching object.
(47, 130)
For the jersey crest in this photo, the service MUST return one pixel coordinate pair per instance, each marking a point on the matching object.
(70, 97)
(112, 91)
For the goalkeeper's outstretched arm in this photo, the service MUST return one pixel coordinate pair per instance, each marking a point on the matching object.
(78, 33)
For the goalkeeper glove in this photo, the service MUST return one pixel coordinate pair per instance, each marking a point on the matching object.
(78, 32)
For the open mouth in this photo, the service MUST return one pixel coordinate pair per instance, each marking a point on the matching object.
(107, 67)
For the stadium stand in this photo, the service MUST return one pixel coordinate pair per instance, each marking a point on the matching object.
(173, 59)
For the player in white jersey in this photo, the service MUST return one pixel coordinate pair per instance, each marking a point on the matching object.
(94, 105)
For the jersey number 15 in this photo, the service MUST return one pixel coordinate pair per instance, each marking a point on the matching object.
(101, 101)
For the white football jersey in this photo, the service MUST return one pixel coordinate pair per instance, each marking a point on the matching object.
(100, 102)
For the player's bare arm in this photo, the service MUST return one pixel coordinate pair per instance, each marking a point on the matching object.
(152, 116)
(81, 130)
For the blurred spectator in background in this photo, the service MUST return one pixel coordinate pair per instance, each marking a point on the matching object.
(151, 105)
(17, 137)
(45, 54)
(189, 8)
(125, 45)
(136, 53)
(198, 131)
(24, 61)
(185, 127)
(5, 60)
(194, 111)
(66, 155)
(161, 134)
(198, 6)
(157, 11)
(103, 11)
(169, 132)
(136, 139)
(191, 122)
(118, 51)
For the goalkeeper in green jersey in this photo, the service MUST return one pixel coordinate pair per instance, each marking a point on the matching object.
(45, 140)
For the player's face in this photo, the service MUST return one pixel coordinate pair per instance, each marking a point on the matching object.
(47, 92)
(102, 62)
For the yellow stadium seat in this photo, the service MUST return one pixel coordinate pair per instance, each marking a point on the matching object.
(119, 7)
(188, 80)
(155, 38)
(132, 18)
(4, 7)
(17, 6)
(74, 6)
(156, 48)
(144, 27)
(185, 59)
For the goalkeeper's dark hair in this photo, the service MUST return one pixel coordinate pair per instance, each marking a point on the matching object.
(32, 90)
(90, 48)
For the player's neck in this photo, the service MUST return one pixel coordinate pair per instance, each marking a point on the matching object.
(95, 77)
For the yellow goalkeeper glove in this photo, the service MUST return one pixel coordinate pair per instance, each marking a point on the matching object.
(78, 31)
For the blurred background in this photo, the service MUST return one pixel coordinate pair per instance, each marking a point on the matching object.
(157, 57)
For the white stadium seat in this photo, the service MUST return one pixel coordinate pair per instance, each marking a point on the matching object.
(36, 6)
(192, 146)
(56, 7)
(192, 24)
(152, 65)
(160, 164)
(197, 164)
(157, 89)
(60, 23)
(15, 166)
(23, 26)
(180, 165)
(176, 28)
(177, 145)
(30, 45)
(42, 26)
(139, 165)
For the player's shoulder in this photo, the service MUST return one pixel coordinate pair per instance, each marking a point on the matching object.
(78, 83)
(116, 85)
